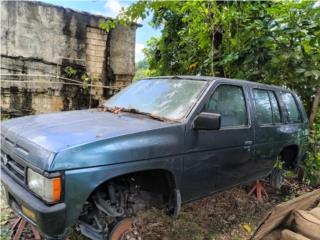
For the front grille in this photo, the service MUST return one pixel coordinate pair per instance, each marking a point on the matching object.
(14, 168)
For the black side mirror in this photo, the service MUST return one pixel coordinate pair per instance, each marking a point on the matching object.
(207, 121)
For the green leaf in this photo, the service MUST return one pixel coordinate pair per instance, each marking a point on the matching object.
(308, 73)
(300, 70)
(316, 73)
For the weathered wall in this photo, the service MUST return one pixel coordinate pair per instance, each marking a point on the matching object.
(43, 39)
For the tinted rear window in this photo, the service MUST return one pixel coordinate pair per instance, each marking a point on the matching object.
(267, 107)
(294, 115)
(263, 106)
(275, 108)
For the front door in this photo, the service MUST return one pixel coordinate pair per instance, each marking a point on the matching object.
(218, 159)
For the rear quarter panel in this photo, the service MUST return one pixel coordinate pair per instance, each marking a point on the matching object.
(293, 133)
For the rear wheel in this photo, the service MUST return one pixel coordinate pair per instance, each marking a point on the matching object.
(277, 174)
(276, 178)
(286, 167)
(300, 173)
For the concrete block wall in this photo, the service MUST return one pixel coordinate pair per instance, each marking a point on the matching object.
(43, 39)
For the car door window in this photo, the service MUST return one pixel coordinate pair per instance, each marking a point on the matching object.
(267, 107)
(292, 109)
(263, 106)
(276, 118)
(229, 102)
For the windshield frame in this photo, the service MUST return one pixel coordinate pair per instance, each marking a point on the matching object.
(192, 106)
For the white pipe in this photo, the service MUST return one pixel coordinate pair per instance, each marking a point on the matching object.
(52, 76)
(75, 84)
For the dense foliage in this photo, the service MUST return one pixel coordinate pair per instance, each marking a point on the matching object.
(312, 163)
(142, 70)
(270, 42)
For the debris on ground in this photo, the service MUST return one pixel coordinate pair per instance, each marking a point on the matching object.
(230, 215)
(292, 221)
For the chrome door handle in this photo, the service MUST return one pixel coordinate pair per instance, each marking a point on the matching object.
(248, 142)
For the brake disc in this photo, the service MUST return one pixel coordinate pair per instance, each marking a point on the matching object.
(126, 229)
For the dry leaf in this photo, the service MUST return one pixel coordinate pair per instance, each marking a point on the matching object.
(247, 228)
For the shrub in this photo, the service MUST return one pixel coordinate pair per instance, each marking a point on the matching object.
(312, 163)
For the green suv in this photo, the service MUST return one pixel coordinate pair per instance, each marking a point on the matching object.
(159, 142)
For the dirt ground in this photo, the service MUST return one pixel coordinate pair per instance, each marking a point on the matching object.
(230, 215)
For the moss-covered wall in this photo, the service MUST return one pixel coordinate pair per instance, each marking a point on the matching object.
(43, 39)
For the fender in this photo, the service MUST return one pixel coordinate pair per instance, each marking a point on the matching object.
(80, 183)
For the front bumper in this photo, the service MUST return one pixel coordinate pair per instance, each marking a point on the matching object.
(50, 220)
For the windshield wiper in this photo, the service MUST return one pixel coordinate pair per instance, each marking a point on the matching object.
(136, 111)
(117, 110)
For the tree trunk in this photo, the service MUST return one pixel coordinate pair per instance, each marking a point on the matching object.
(314, 108)
(210, 20)
(212, 53)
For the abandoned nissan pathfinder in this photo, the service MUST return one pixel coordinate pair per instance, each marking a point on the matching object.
(160, 142)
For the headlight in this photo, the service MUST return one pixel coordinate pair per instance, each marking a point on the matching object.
(49, 189)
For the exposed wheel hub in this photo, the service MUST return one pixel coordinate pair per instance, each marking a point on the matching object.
(126, 229)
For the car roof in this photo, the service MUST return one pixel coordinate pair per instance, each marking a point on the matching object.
(207, 78)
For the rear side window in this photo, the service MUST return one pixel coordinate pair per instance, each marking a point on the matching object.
(267, 107)
(292, 108)
(263, 106)
(275, 108)
(229, 101)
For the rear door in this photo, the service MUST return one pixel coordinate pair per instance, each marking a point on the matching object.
(268, 127)
(218, 159)
(293, 131)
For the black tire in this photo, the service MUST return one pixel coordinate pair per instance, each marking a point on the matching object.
(276, 178)
(300, 173)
